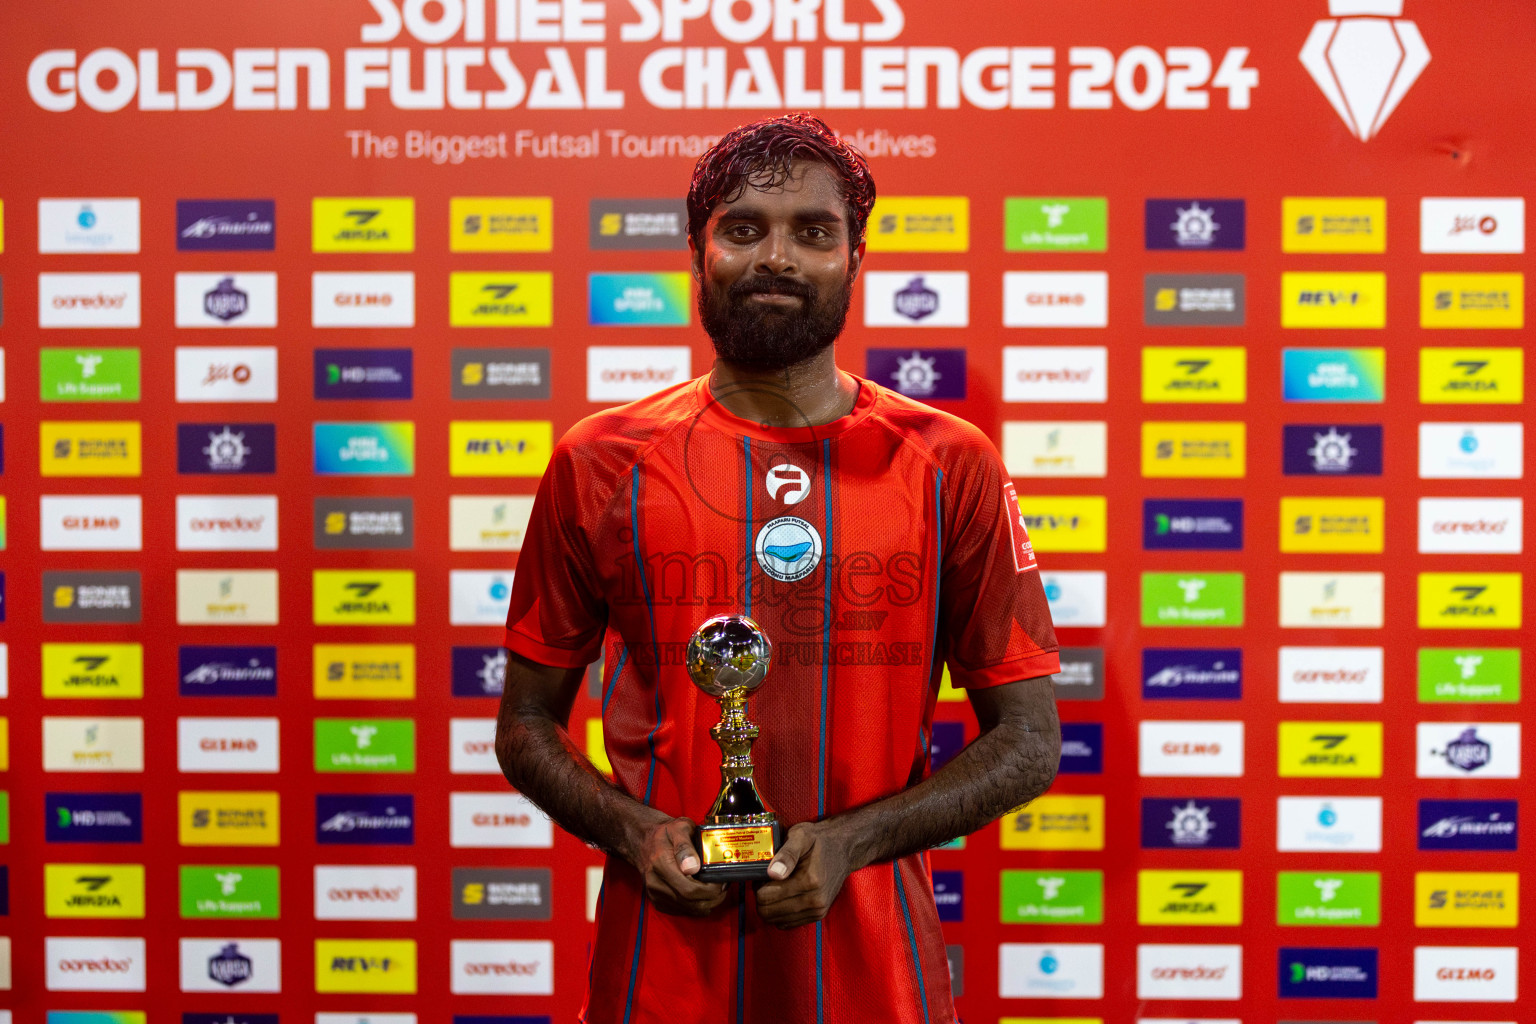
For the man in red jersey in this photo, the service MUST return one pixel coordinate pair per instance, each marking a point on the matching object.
(873, 538)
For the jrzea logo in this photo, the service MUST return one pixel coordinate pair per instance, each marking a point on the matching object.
(912, 299)
(365, 893)
(1189, 972)
(222, 965)
(1365, 58)
(226, 300)
(1063, 970)
(1459, 750)
(502, 968)
(1193, 823)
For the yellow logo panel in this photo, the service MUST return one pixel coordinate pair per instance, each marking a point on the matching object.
(1331, 525)
(500, 447)
(500, 224)
(1469, 600)
(1194, 449)
(1333, 300)
(376, 966)
(89, 448)
(1189, 897)
(501, 299)
(1472, 300)
(1058, 523)
(5, 745)
(948, 691)
(93, 670)
(1325, 224)
(1194, 374)
(1455, 376)
(1055, 823)
(1330, 750)
(597, 749)
(93, 890)
(1466, 899)
(227, 818)
(919, 224)
(360, 597)
(365, 671)
(364, 224)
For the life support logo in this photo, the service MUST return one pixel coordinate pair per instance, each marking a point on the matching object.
(788, 548)
(788, 483)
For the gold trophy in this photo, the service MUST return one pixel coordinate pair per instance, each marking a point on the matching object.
(728, 658)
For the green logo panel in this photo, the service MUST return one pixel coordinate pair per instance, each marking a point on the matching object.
(89, 374)
(1053, 897)
(1329, 898)
(365, 745)
(1469, 675)
(1191, 599)
(1056, 224)
(229, 892)
(5, 817)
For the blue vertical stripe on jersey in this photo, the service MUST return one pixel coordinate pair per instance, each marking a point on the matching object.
(634, 964)
(746, 448)
(650, 610)
(906, 913)
(613, 681)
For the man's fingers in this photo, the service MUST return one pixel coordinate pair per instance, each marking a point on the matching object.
(783, 864)
(687, 859)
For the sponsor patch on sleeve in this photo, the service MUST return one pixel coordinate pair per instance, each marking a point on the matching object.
(1023, 550)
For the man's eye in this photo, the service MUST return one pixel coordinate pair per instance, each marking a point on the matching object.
(816, 233)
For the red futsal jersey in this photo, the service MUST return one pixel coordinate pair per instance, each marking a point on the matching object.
(872, 551)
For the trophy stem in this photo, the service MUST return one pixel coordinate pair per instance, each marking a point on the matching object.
(739, 800)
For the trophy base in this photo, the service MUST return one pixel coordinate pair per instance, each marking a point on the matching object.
(737, 853)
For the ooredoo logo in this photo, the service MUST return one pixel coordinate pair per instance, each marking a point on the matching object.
(94, 964)
(1189, 972)
(365, 893)
(496, 968)
(88, 300)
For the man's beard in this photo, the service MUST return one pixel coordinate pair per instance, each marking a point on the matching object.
(773, 337)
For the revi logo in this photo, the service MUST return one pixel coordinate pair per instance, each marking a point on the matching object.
(1365, 58)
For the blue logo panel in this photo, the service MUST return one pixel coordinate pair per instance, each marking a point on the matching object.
(1082, 748)
(922, 374)
(479, 671)
(1191, 525)
(1334, 374)
(363, 373)
(947, 740)
(1192, 673)
(365, 819)
(226, 225)
(1191, 823)
(227, 671)
(1469, 825)
(93, 818)
(949, 894)
(226, 449)
(1338, 973)
(1198, 224)
(1332, 449)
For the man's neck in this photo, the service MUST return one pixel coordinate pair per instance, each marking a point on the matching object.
(807, 394)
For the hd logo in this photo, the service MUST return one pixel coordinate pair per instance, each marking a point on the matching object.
(1189, 897)
(1490, 376)
(1472, 300)
(93, 890)
(500, 299)
(93, 670)
(1343, 750)
(1458, 600)
(383, 597)
(366, 224)
(1194, 374)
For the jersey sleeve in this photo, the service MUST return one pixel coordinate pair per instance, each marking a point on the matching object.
(557, 615)
(994, 619)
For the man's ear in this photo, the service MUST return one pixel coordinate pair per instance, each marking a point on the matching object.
(696, 260)
(855, 261)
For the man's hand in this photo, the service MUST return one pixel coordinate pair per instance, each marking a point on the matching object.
(667, 863)
(805, 876)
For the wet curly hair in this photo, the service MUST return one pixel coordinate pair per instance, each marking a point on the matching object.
(761, 154)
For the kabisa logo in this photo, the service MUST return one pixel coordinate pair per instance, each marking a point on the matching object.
(229, 967)
(479, 671)
(1178, 673)
(1214, 823)
(1195, 224)
(1365, 59)
(93, 817)
(224, 301)
(1339, 973)
(375, 819)
(1332, 449)
(923, 374)
(227, 671)
(1469, 825)
(1467, 752)
(226, 448)
(1196, 525)
(206, 225)
(788, 548)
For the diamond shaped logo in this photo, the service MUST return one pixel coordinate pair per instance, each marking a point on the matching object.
(1365, 59)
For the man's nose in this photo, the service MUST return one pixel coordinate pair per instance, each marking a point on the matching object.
(775, 254)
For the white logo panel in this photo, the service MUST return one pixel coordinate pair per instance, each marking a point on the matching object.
(1467, 224)
(1328, 824)
(1062, 449)
(231, 965)
(1055, 373)
(88, 300)
(1470, 526)
(1189, 972)
(497, 820)
(917, 298)
(496, 523)
(1331, 600)
(226, 300)
(226, 374)
(1076, 598)
(226, 745)
(365, 893)
(472, 746)
(1193, 749)
(93, 744)
(93, 965)
(87, 225)
(478, 598)
(1469, 750)
(1051, 299)
(1471, 451)
(502, 968)
(212, 523)
(1331, 675)
(363, 300)
(1063, 970)
(105, 522)
(1466, 974)
(624, 373)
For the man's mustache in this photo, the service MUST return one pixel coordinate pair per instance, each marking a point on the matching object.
(760, 285)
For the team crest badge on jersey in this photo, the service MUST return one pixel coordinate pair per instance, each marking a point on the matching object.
(788, 483)
(1023, 550)
(788, 548)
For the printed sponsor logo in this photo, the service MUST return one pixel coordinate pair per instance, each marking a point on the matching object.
(1055, 299)
(920, 224)
(1469, 825)
(365, 892)
(91, 597)
(506, 299)
(221, 225)
(1350, 750)
(1189, 972)
(227, 818)
(1484, 376)
(1063, 970)
(89, 374)
(491, 374)
(93, 964)
(497, 820)
(1331, 675)
(229, 892)
(1195, 525)
(244, 1018)
(1484, 600)
(109, 522)
(631, 224)
(227, 965)
(1037, 373)
(1465, 224)
(365, 965)
(1332, 525)
(226, 745)
(93, 817)
(363, 224)
(1082, 748)
(1194, 300)
(922, 374)
(1347, 898)
(88, 300)
(227, 671)
(502, 894)
(1055, 448)
(1202, 749)
(242, 299)
(1472, 300)
(1076, 598)
(90, 448)
(944, 741)
(1055, 224)
(363, 300)
(1189, 897)
(370, 1018)
(362, 373)
(211, 597)
(472, 746)
(1196, 224)
(1465, 974)
(478, 598)
(1336, 600)
(93, 670)
(1053, 897)
(364, 523)
(365, 449)
(520, 448)
(112, 1017)
(1334, 374)
(382, 597)
(1321, 224)
(1055, 823)
(1082, 674)
(501, 968)
(496, 523)
(1450, 451)
(1466, 899)
(226, 374)
(358, 819)
(639, 300)
(1192, 599)
(479, 671)
(624, 373)
(917, 299)
(1191, 449)
(1329, 824)
(1191, 673)
(949, 895)
(365, 745)
(87, 226)
(210, 523)
(1318, 300)
(500, 224)
(1461, 750)
(1490, 526)
(93, 890)
(1469, 675)
(93, 744)
(218, 449)
(1327, 973)
(1329, 449)
(1194, 374)
(365, 671)
(1058, 524)
(1192, 823)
